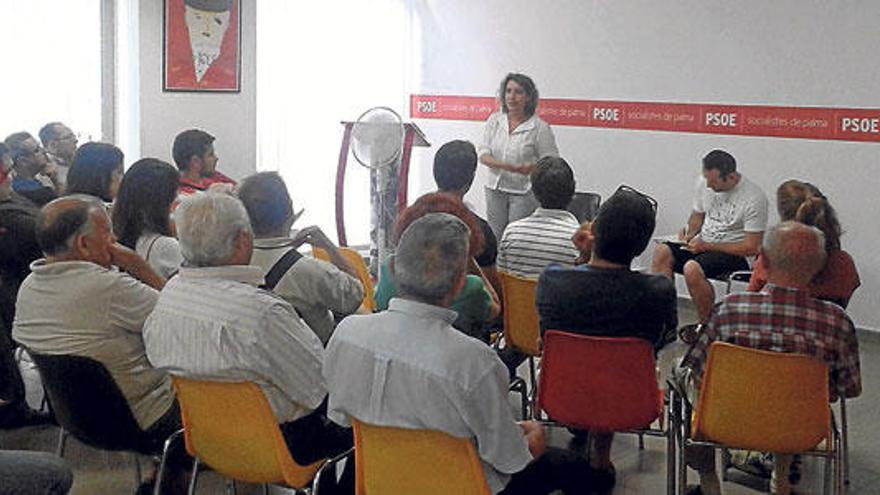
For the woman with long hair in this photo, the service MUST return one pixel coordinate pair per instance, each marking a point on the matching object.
(803, 202)
(142, 214)
(96, 170)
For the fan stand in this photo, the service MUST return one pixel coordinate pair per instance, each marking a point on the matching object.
(381, 221)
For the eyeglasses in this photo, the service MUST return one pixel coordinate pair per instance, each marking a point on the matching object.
(625, 188)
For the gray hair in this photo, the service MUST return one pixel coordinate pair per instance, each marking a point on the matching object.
(431, 256)
(207, 225)
(795, 249)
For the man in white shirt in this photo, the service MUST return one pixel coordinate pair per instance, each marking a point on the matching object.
(725, 227)
(75, 302)
(213, 322)
(408, 367)
(544, 237)
(318, 290)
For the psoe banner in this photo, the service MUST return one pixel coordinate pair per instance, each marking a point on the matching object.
(846, 124)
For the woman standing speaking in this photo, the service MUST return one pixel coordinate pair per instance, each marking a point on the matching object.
(513, 140)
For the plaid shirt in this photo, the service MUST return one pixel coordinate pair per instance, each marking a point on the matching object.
(782, 319)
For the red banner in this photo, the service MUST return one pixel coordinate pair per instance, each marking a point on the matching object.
(847, 124)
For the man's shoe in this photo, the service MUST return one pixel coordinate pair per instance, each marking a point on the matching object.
(690, 333)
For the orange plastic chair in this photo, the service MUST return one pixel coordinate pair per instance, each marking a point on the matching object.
(521, 318)
(398, 461)
(363, 273)
(602, 384)
(230, 427)
(766, 401)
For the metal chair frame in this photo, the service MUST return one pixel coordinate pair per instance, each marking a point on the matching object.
(681, 414)
(668, 434)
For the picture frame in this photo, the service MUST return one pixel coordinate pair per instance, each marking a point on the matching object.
(201, 46)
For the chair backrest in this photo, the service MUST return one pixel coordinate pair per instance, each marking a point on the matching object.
(394, 461)
(598, 383)
(585, 205)
(88, 403)
(360, 266)
(762, 400)
(231, 428)
(520, 313)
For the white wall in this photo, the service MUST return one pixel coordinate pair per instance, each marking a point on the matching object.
(230, 117)
(788, 53)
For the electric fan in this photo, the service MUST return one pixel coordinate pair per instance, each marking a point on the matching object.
(376, 143)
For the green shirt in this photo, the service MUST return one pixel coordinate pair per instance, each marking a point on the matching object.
(472, 304)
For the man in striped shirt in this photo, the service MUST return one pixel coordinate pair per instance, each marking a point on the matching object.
(544, 237)
(213, 322)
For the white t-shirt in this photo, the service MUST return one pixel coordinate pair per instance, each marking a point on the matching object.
(161, 252)
(730, 214)
(529, 142)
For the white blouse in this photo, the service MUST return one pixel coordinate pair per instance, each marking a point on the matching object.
(530, 141)
(161, 252)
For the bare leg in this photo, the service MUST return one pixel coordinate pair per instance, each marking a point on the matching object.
(779, 483)
(662, 262)
(700, 289)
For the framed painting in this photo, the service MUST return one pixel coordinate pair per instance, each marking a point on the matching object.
(202, 46)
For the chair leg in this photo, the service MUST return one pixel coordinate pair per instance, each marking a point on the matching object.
(230, 486)
(670, 455)
(265, 489)
(641, 441)
(533, 393)
(62, 442)
(192, 480)
(826, 482)
(161, 473)
(844, 437)
(681, 417)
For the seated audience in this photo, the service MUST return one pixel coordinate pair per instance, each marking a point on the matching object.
(61, 143)
(407, 367)
(31, 164)
(544, 237)
(75, 303)
(316, 289)
(783, 317)
(96, 170)
(18, 248)
(213, 322)
(142, 214)
(33, 473)
(477, 303)
(725, 227)
(193, 152)
(455, 165)
(804, 203)
(606, 297)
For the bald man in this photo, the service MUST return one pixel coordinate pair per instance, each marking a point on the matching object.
(75, 302)
(792, 254)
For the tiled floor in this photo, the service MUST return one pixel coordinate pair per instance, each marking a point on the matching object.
(642, 472)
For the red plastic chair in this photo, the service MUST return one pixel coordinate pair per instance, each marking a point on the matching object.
(603, 385)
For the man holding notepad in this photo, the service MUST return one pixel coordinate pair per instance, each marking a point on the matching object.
(725, 227)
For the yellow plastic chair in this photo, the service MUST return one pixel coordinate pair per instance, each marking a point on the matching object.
(230, 427)
(760, 400)
(521, 319)
(398, 461)
(363, 273)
